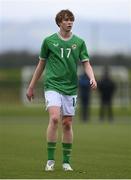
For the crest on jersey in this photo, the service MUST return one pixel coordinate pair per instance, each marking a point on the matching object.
(74, 46)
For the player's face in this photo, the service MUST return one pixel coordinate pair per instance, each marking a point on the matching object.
(66, 25)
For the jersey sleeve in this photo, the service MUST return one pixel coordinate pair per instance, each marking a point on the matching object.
(44, 51)
(83, 53)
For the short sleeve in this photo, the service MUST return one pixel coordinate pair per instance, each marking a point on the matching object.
(44, 51)
(83, 53)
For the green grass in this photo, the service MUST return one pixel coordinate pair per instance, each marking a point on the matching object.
(99, 150)
(38, 111)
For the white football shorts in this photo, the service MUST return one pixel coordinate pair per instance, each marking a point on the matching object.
(65, 102)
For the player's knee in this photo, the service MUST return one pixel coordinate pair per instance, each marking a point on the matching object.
(67, 124)
(55, 119)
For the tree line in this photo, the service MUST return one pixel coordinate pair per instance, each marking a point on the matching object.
(20, 59)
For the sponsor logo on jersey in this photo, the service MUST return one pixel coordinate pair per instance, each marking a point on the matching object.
(74, 46)
(56, 44)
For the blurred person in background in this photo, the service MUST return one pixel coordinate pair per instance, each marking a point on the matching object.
(84, 93)
(106, 89)
(59, 56)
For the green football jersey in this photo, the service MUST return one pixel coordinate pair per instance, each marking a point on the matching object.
(62, 58)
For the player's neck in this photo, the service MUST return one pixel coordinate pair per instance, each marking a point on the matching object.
(65, 35)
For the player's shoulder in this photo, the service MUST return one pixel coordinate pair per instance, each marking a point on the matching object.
(50, 37)
(78, 38)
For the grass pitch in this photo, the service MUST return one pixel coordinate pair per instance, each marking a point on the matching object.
(99, 150)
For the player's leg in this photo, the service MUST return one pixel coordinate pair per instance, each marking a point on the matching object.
(67, 140)
(68, 110)
(53, 106)
(67, 136)
(54, 117)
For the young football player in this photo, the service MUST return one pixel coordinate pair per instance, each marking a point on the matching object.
(59, 58)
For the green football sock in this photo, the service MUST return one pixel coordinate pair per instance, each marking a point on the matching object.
(51, 146)
(67, 148)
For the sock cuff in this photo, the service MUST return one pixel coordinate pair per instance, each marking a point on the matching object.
(67, 145)
(51, 144)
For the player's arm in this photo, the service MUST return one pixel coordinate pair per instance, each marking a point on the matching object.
(89, 71)
(37, 74)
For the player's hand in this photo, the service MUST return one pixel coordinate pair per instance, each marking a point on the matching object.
(93, 84)
(30, 93)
